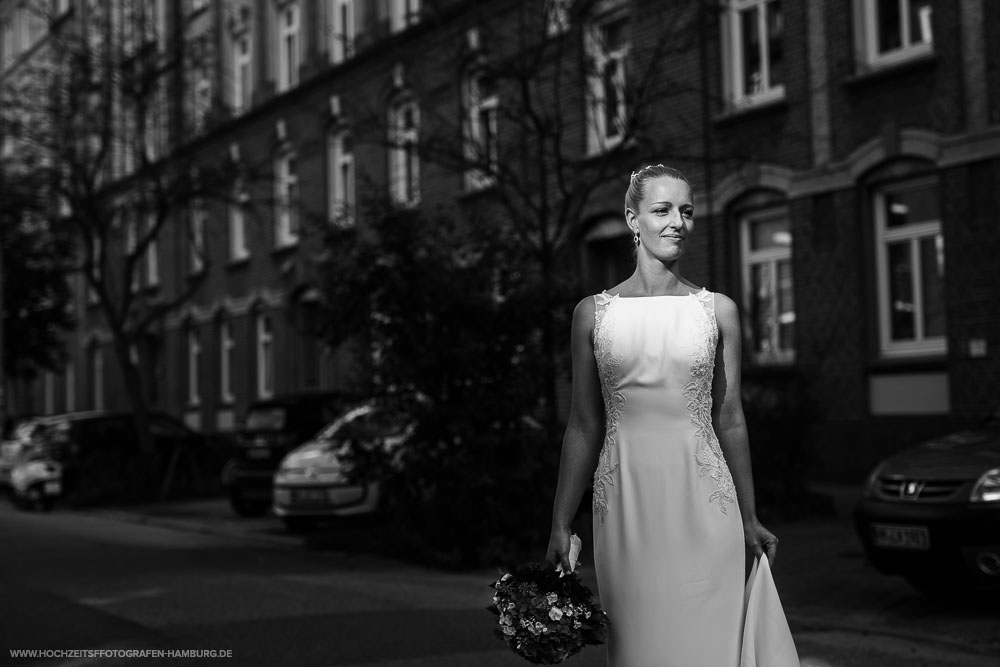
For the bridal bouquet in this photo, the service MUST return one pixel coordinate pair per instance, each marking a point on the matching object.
(544, 615)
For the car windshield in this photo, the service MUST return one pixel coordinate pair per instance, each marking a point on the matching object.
(367, 425)
(266, 419)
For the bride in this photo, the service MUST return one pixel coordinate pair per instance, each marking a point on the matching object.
(656, 421)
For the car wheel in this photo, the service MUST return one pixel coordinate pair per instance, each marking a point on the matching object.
(299, 524)
(247, 508)
(35, 499)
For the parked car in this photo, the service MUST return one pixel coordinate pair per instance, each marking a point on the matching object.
(13, 445)
(72, 442)
(272, 428)
(931, 513)
(315, 481)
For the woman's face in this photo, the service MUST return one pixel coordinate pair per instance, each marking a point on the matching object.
(665, 218)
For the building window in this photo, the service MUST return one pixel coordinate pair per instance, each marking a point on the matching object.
(768, 294)
(131, 247)
(343, 30)
(202, 104)
(894, 30)
(403, 13)
(242, 73)
(196, 239)
(227, 362)
(404, 157)
(289, 47)
(286, 217)
(194, 367)
(265, 357)
(152, 254)
(97, 376)
(70, 380)
(753, 51)
(607, 47)
(910, 267)
(49, 390)
(238, 248)
(340, 170)
(481, 129)
(557, 16)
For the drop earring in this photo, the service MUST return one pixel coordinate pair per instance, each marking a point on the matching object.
(635, 239)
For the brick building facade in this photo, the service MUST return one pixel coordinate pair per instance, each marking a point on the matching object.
(845, 156)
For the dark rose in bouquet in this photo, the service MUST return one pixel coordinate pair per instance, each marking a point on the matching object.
(546, 616)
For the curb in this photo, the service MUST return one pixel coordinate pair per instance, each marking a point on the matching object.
(800, 623)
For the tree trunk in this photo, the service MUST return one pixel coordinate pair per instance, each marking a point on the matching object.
(136, 396)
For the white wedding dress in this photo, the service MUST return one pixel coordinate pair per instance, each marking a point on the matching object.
(668, 537)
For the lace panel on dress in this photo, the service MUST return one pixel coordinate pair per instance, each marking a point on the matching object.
(607, 367)
(698, 393)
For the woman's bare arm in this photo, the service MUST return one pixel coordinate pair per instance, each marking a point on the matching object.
(582, 441)
(730, 424)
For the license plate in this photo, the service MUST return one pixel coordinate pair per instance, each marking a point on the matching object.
(915, 538)
(53, 488)
(259, 453)
(309, 496)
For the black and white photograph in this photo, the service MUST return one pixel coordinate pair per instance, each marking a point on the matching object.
(486, 333)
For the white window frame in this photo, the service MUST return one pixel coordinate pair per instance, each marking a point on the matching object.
(403, 14)
(227, 348)
(289, 45)
(342, 182)
(921, 345)
(238, 247)
(750, 258)
(196, 239)
(732, 45)
(404, 154)
(265, 356)
(343, 30)
(286, 215)
(194, 366)
(242, 72)
(480, 136)
(598, 139)
(866, 28)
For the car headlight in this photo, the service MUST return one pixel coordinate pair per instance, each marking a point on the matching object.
(987, 488)
(872, 482)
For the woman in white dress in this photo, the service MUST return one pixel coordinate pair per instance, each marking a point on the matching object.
(656, 420)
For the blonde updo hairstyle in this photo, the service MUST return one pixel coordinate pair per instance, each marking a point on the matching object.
(637, 183)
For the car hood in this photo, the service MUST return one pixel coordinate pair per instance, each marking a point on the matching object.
(962, 455)
(313, 452)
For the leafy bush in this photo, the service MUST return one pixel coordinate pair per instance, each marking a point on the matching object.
(449, 315)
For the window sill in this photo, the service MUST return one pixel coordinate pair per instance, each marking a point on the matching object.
(873, 74)
(285, 248)
(736, 112)
(238, 263)
(593, 154)
(917, 363)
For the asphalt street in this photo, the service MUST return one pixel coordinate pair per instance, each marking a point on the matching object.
(190, 576)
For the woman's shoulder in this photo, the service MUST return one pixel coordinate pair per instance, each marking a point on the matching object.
(726, 310)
